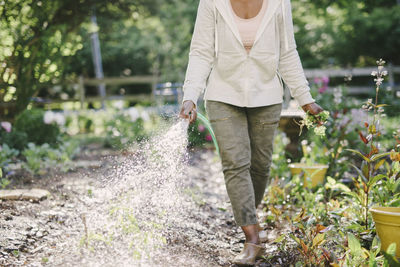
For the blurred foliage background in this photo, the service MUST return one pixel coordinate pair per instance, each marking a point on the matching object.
(43, 43)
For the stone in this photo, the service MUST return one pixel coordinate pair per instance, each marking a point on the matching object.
(33, 194)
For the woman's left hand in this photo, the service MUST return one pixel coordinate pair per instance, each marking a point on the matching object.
(312, 108)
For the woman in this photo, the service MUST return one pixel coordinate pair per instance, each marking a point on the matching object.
(239, 52)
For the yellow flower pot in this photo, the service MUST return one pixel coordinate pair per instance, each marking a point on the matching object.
(313, 175)
(387, 223)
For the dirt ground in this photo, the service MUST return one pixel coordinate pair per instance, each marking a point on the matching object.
(39, 234)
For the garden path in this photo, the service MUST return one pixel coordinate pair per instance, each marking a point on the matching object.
(48, 233)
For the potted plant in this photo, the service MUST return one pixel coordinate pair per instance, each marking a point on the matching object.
(387, 219)
(311, 164)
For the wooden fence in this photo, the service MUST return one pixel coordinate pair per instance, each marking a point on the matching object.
(82, 82)
(310, 74)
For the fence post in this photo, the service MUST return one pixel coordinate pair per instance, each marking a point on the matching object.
(81, 88)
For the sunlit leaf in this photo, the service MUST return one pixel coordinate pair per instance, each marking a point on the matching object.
(354, 244)
(358, 153)
(379, 164)
(279, 239)
(360, 173)
(318, 239)
(375, 179)
(379, 156)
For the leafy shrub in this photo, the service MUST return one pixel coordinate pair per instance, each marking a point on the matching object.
(31, 122)
(126, 127)
(14, 139)
(41, 157)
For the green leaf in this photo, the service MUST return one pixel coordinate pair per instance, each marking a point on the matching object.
(375, 179)
(389, 256)
(354, 245)
(378, 156)
(360, 173)
(295, 238)
(391, 249)
(358, 153)
(279, 239)
(318, 239)
(365, 170)
(380, 163)
(381, 105)
(354, 195)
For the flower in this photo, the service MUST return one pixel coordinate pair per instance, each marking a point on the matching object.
(325, 80)
(48, 117)
(208, 137)
(6, 126)
(133, 114)
(201, 128)
(322, 89)
(320, 130)
(337, 94)
(118, 104)
(145, 115)
(59, 119)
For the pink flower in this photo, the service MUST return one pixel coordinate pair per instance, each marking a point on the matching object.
(208, 138)
(322, 89)
(6, 126)
(325, 80)
(201, 128)
(317, 80)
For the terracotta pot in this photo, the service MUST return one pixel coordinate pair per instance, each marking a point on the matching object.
(387, 223)
(313, 175)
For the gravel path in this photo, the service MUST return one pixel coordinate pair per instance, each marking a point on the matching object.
(49, 233)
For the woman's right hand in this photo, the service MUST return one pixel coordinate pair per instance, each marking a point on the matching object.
(188, 111)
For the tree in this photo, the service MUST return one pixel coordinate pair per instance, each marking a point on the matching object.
(37, 36)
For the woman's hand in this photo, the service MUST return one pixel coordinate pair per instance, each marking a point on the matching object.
(188, 111)
(312, 108)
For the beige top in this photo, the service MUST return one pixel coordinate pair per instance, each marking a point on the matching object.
(219, 63)
(248, 27)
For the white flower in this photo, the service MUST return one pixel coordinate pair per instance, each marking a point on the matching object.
(374, 73)
(6, 126)
(48, 117)
(378, 81)
(344, 143)
(304, 142)
(320, 130)
(118, 104)
(145, 116)
(59, 119)
(133, 113)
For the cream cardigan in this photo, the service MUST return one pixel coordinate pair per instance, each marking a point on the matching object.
(219, 63)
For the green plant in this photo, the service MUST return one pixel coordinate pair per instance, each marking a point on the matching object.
(126, 127)
(279, 167)
(40, 158)
(3, 181)
(310, 238)
(387, 191)
(14, 139)
(372, 159)
(315, 122)
(31, 122)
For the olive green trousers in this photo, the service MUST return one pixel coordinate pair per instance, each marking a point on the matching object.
(245, 138)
